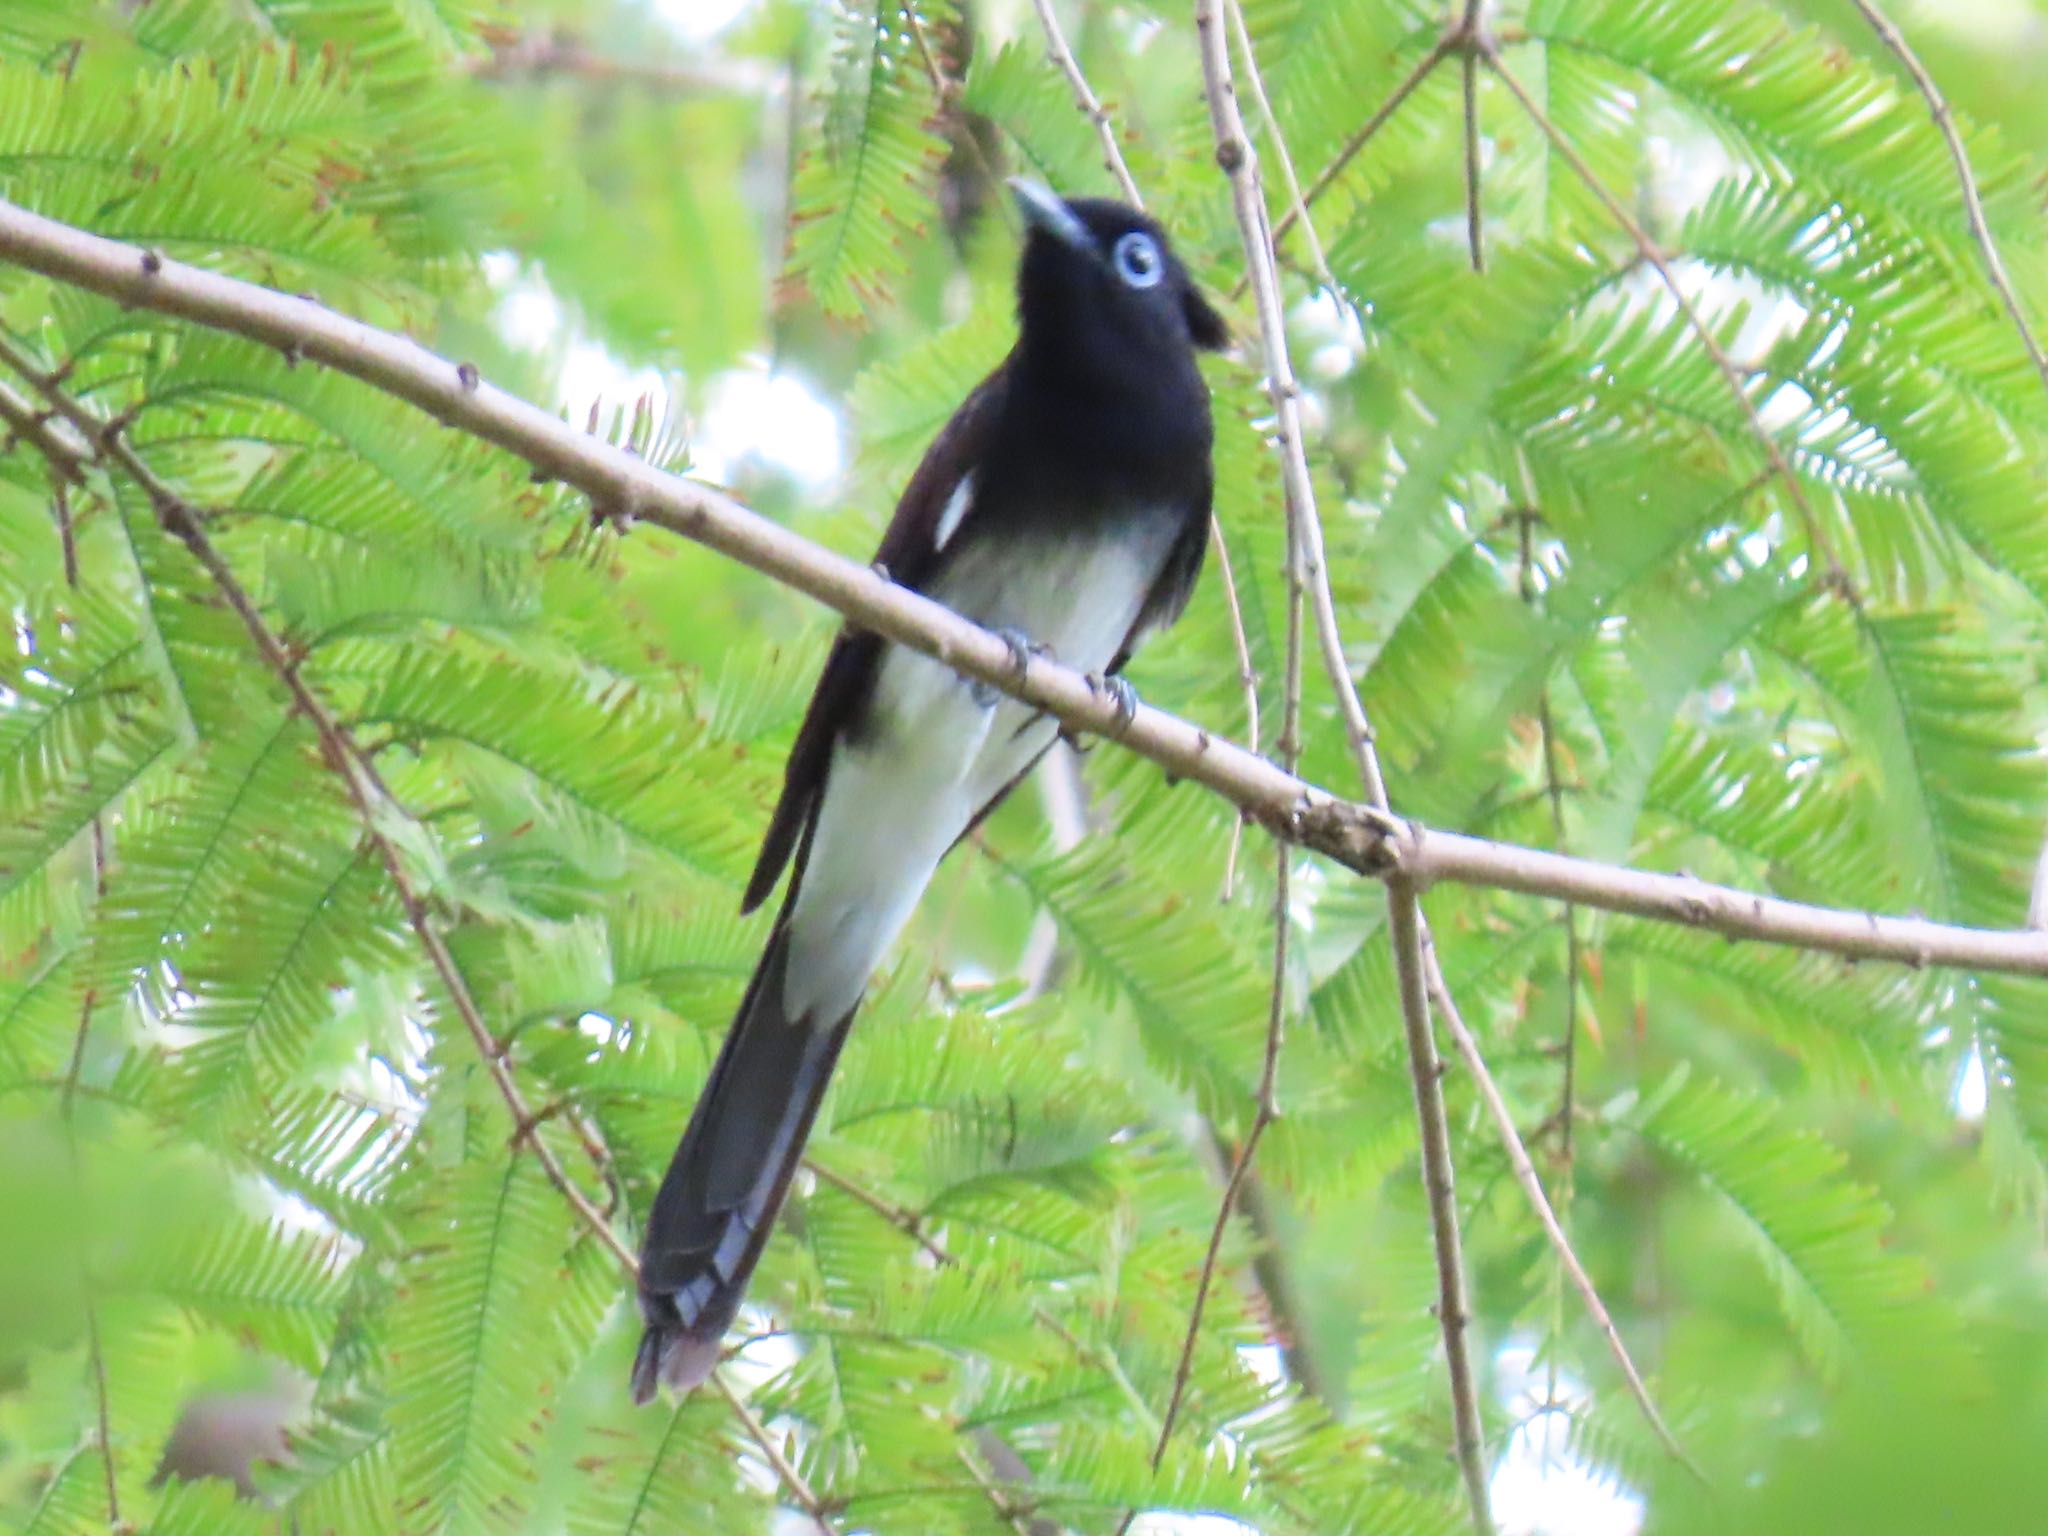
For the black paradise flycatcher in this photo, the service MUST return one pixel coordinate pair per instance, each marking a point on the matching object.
(1066, 506)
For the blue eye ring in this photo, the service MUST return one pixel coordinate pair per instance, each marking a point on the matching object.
(1137, 260)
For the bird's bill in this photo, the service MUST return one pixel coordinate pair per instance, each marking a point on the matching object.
(1044, 209)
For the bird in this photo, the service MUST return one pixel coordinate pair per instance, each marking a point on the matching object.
(1065, 505)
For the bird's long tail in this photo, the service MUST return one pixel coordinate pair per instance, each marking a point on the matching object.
(715, 1207)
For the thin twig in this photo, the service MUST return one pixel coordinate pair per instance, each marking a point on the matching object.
(1553, 789)
(1475, 241)
(1470, 32)
(1362, 136)
(1405, 925)
(1994, 266)
(908, 1222)
(1247, 678)
(1307, 560)
(1944, 119)
(1836, 575)
(1532, 1186)
(785, 1470)
(1235, 154)
(1356, 836)
(1017, 1519)
(1297, 205)
(95, 1352)
(1267, 1106)
(948, 91)
(341, 753)
(1089, 103)
(374, 805)
(24, 423)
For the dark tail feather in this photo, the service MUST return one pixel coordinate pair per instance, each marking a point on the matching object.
(715, 1208)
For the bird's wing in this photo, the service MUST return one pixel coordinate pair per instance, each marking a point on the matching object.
(909, 552)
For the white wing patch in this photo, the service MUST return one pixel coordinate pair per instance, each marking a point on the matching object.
(955, 511)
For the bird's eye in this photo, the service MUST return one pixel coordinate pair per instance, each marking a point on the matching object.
(1137, 260)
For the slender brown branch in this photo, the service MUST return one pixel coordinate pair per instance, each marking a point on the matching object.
(1267, 1107)
(908, 1222)
(26, 424)
(375, 805)
(1553, 790)
(1307, 561)
(1532, 1186)
(1362, 136)
(948, 89)
(785, 1470)
(341, 753)
(1994, 267)
(1247, 678)
(1360, 837)
(1475, 241)
(1018, 1519)
(1089, 103)
(95, 1351)
(1297, 206)
(1980, 227)
(1836, 575)
(1404, 921)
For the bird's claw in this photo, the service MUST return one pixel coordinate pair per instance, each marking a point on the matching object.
(1021, 648)
(1122, 696)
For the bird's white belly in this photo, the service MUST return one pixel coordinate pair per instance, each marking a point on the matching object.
(931, 754)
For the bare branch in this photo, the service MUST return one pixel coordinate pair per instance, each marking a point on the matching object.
(1944, 119)
(1404, 921)
(375, 807)
(1267, 1107)
(342, 755)
(1836, 576)
(1363, 135)
(1532, 1186)
(26, 424)
(1247, 677)
(1994, 266)
(95, 1352)
(785, 1470)
(1289, 744)
(1306, 561)
(1475, 240)
(1362, 838)
(1089, 103)
(1297, 205)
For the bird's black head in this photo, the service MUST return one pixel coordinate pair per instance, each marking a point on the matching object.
(1100, 289)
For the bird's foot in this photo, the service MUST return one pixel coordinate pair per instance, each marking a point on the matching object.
(1122, 696)
(1022, 648)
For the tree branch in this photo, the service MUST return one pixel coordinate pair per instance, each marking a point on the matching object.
(785, 1470)
(1994, 266)
(1944, 119)
(1836, 576)
(1363, 135)
(1306, 559)
(1361, 838)
(1532, 1186)
(375, 806)
(1089, 103)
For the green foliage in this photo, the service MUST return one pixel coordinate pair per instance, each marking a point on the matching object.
(253, 1154)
